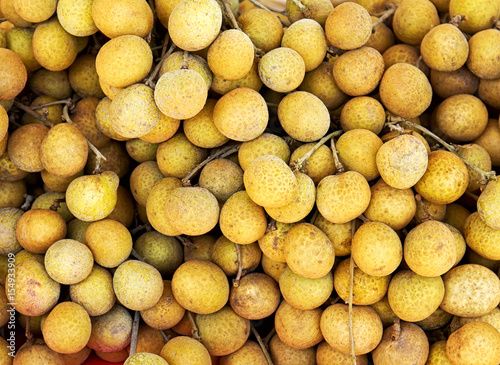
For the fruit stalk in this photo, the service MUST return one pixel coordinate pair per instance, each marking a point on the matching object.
(194, 331)
(262, 346)
(27, 202)
(57, 102)
(297, 165)
(30, 111)
(135, 331)
(386, 14)
(149, 81)
(236, 281)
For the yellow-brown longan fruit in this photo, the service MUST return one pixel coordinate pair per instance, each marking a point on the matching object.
(342, 198)
(231, 55)
(319, 165)
(363, 112)
(241, 220)
(462, 117)
(177, 156)
(51, 83)
(282, 69)
(348, 26)
(461, 81)
(307, 37)
(24, 147)
(194, 25)
(13, 72)
(20, 40)
(265, 144)
(320, 82)
(53, 112)
(413, 19)
(480, 237)
(318, 10)
(4, 123)
(489, 92)
(110, 242)
(357, 150)
(35, 11)
(53, 47)
(404, 53)
(76, 17)
(185, 350)
(123, 17)
(444, 48)
(411, 100)
(326, 354)
(155, 206)
(264, 28)
(241, 114)
(473, 341)
(163, 130)
(84, 118)
(166, 313)
(382, 36)
(124, 60)
(38, 229)
(83, 77)
(250, 80)
(488, 140)
(181, 94)
(445, 179)
(111, 331)
(270, 182)
(64, 150)
(9, 171)
(478, 15)
(272, 243)
(222, 177)
(224, 253)
(201, 129)
(358, 72)
(12, 193)
(142, 180)
(140, 150)
(484, 47)
(103, 120)
(46, 200)
(282, 354)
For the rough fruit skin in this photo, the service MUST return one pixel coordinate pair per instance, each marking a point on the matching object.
(13, 73)
(192, 28)
(76, 17)
(413, 19)
(482, 238)
(264, 28)
(111, 331)
(341, 198)
(488, 205)
(166, 313)
(155, 206)
(480, 14)
(68, 261)
(200, 286)
(484, 48)
(185, 350)
(405, 90)
(282, 69)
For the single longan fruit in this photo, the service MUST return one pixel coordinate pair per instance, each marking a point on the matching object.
(413, 19)
(461, 81)
(163, 130)
(265, 144)
(382, 36)
(478, 15)
(76, 17)
(194, 25)
(124, 60)
(282, 69)
(38, 229)
(24, 147)
(20, 40)
(404, 53)
(51, 83)
(83, 77)
(250, 80)
(122, 17)
(142, 180)
(363, 112)
(13, 72)
(348, 26)
(12, 193)
(411, 100)
(241, 114)
(117, 159)
(68, 261)
(484, 47)
(166, 313)
(358, 72)
(488, 139)
(111, 331)
(282, 354)
(473, 341)
(489, 92)
(33, 11)
(201, 130)
(339, 233)
(224, 253)
(318, 9)
(84, 118)
(272, 243)
(9, 12)
(479, 157)
(326, 354)
(9, 171)
(487, 204)
(445, 179)
(481, 238)
(177, 60)
(222, 177)
(264, 28)
(185, 350)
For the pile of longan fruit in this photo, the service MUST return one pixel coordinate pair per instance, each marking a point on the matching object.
(224, 182)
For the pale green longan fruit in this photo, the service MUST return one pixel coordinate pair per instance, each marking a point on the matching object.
(222, 177)
(92, 197)
(231, 55)
(265, 144)
(13, 72)
(142, 180)
(124, 60)
(241, 114)
(68, 261)
(479, 15)
(185, 350)
(193, 29)
(163, 252)
(8, 222)
(342, 198)
(83, 77)
(95, 293)
(363, 112)
(224, 253)
(303, 116)
(282, 69)
(181, 93)
(24, 147)
(348, 26)
(201, 130)
(111, 331)
(405, 302)
(67, 328)
(264, 29)
(58, 53)
(413, 19)
(200, 286)
(76, 17)
(307, 37)
(20, 41)
(122, 17)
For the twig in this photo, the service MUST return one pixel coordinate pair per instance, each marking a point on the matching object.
(135, 332)
(137, 256)
(391, 8)
(27, 202)
(457, 19)
(57, 102)
(141, 227)
(194, 331)
(269, 336)
(471, 195)
(314, 216)
(42, 117)
(220, 153)
(271, 226)
(487, 175)
(186, 241)
(165, 44)
(259, 5)
(166, 337)
(351, 286)
(29, 335)
(236, 281)
(427, 215)
(338, 165)
(185, 64)
(364, 219)
(298, 165)
(419, 61)
(3, 20)
(334, 51)
(12, 120)
(334, 301)
(303, 9)
(56, 204)
(149, 81)
(262, 346)
(98, 155)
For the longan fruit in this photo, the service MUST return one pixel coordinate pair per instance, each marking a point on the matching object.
(178, 60)
(318, 10)
(163, 130)
(413, 19)
(363, 112)
(13, 72)
(68, 261)
(142, 180)
(479, 15)
(166, 313)
(185, 350)
(264, 28)
(478, 156)
(282, 69)
(488, 140)
(348, 26)
(20, 40)
(382, 36)
(141, 151)
(319, 165)
(250, 80)
(480, 237)
(222, 177)
(38, 229)
(282, 354)
(464, 345)
(461, 81)
(117, 159)
(35, 12)
(265, 144)
(12, 193)
(484, 46)
(155, 206)
(111, 331)
(51, 83)
(76, 17)
(24, 147)
(7, 8)
(224, 253)
(83, 77)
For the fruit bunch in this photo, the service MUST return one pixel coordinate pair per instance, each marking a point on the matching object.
(220, 182)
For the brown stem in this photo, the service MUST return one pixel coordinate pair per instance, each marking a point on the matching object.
(165, 44)
(338, 165)
(56, 204)
(302, 8)
(268, 337)
(28, 200)
(185, 64)
(220, 153)
(334, 51)
(186, 241)
(142, 227)
(364, 219)
(194, 331)
(64, 101)
(457, 19)
(271, 226)
(137, 256)
(259, 5)
(351, 288)
(391, 8)
(471, 195)
(314, 216)
(166, 337)
(261, 344)
(396, 330)
(12, 120)
(298, 165)
(42, 117)
(334, 301)
(135, 332)
(149, 81)
(236, 281)
(29, 335)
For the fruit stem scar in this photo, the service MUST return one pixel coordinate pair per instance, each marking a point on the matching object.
(194, 331)
(303, 9)
(261, 344)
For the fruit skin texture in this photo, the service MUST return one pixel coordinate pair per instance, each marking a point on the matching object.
(341, 198)
(282, 69)
(145, 358)
(473, 344)
(185, 350)
(405, 90)
(488, 205)
(413, 19)
(166, 313)
(445, 180)
(471, 290)
(91, 198)
(200, 286)
(263, 28)
(193, 25)
(13, 73)
(480, 14)
(111, 331)
(68, 261)
(76, 17)
(67, 328)
(250, 353)
(484, 48)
